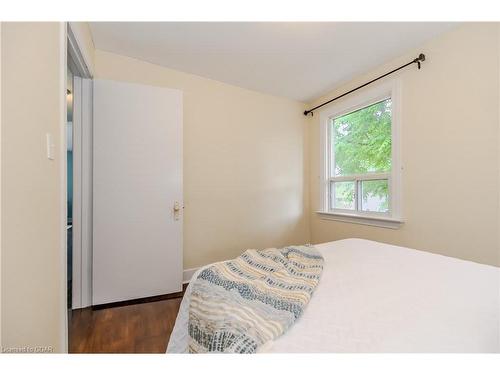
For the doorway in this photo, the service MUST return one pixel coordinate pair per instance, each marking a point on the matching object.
(78, 179)
(69, 185)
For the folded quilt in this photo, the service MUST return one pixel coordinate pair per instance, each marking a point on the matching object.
(239, 305)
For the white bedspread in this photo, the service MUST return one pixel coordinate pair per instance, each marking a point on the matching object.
(375, 297)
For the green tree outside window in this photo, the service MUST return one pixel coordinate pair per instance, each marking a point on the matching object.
(361, 144)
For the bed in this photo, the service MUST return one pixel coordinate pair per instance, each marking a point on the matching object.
(375, 297)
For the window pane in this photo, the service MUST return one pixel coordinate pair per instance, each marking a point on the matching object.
(343, 195)
(361, 140)
(375, 195)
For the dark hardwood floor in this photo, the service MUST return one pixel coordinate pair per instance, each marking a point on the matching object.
(138, 328)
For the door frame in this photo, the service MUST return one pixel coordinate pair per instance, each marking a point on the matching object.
(82, 173)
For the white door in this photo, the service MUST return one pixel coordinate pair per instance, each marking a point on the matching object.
(137, 244)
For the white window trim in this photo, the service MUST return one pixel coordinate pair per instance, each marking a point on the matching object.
(369, 96)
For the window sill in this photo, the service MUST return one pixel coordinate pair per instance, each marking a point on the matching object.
(375, 221)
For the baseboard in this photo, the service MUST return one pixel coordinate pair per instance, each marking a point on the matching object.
(188, 274)
(136, 301)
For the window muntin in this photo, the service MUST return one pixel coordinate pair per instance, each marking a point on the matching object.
(360, 159)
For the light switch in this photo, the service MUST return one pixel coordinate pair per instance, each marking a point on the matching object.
(50, 147)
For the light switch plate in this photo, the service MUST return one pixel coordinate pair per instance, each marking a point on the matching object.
(50, 147)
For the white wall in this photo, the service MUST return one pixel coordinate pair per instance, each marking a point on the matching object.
(450, 149)
(32, 196)
(245, 158)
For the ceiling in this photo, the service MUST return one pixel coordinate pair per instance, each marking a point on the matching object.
(297, 60)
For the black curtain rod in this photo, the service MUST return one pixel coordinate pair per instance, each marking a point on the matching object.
(417, 61)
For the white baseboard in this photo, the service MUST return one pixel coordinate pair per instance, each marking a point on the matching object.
(188, 274)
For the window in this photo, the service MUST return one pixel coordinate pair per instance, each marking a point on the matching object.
(360, 158)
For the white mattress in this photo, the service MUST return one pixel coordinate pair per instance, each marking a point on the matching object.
(375, 297)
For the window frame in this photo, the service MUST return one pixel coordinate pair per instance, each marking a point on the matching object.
(392, 218)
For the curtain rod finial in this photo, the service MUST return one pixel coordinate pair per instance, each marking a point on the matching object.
(419, 59)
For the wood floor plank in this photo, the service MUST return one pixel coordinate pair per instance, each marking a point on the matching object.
(139, 328)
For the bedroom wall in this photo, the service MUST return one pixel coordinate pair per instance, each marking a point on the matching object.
(245, 162)
(32, 260)
(450, 149)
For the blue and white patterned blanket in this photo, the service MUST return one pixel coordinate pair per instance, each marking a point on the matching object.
(239, 305)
